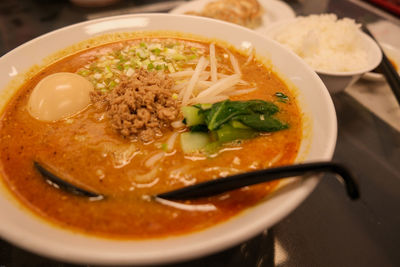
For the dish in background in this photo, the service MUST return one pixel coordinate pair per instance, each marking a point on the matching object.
(274, 11)
(34, 234)
(247, 13)
(94, 3)
(393, 54)
(315, 47)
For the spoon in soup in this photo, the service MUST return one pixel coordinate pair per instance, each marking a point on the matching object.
(221, 185)
(57, 182)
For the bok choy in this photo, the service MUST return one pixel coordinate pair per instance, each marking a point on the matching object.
(228, 121)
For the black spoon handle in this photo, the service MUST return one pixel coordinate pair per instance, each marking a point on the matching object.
(222, 185)
(64, 185)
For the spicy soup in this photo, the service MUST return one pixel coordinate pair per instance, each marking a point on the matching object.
(89, 151)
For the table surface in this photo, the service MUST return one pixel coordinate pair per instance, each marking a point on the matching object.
(327, 229)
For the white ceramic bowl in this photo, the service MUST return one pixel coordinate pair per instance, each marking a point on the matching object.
(32, 233)
(337, 81)
(393, 55)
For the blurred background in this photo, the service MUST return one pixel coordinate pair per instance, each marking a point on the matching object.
(22, 20)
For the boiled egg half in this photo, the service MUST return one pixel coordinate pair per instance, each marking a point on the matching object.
(59, 96)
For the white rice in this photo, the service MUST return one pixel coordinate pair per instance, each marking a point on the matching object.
(325, 42)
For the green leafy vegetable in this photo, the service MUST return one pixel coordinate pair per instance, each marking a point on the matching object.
(282, 97)
(192, 116)
(238, 125)
(227, 133)
(262, 123)
(164, 147)
(225, 111)
(199, 128)
(227, 121)
(194, 141)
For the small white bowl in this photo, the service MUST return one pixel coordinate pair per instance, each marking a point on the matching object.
(337, 81)
(319, 126)
(393, 54)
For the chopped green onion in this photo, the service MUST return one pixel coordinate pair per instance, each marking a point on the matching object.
(112, 84)
(164, 147)
(282, 97)
(178, 57)
(83, 72)
(171, 67)
(169, 57)
(156, 51)
(150, 66)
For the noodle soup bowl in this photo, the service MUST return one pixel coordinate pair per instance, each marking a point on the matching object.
(22, 228)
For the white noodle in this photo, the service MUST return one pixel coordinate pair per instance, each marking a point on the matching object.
(188, 91)
(181, 206)
(275, 159)
(146, 185)
(180, 74)
(177, 124)
(243, 82)
(244, 91)
(148, 177)
(199, 86)
(209, 86)
(220, 86)
(186, 74)
(121, 154)
(202, 85)
(234, 63)
(182, 175)
(221, 75)
(203, 70)
(179, 87)
(204, 75)
(208, 99)
(213, 63)
(153, 159)
(251, 54)
(205, 83)
(171, 141)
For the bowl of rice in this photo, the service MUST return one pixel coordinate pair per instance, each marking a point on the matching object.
(335, 48)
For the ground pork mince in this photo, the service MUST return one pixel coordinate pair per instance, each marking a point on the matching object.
(140, 106)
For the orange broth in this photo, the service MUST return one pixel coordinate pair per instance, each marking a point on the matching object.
(87, 152)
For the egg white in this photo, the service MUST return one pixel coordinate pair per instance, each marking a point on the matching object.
(59, 96)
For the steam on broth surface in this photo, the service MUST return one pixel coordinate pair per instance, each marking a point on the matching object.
(90, 151)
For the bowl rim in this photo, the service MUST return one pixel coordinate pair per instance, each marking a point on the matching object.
(392, 53)
(190, 250)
